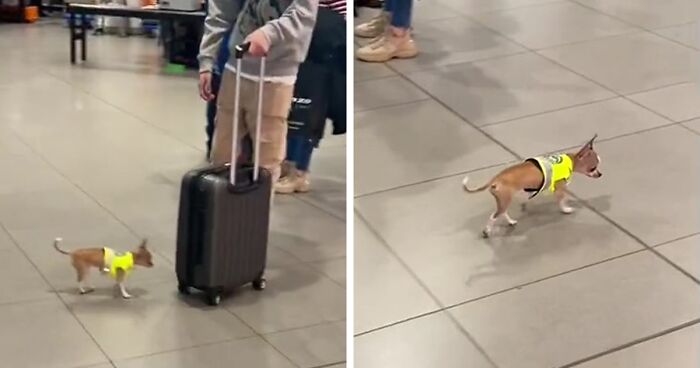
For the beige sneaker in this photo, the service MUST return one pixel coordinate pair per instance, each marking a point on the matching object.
(387, 48)
(374, 27)
(294, 183)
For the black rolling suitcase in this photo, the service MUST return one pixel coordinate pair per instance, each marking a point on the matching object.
(223, 221)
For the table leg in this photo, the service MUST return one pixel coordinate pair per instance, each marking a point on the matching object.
(83, 37)
(71, 23)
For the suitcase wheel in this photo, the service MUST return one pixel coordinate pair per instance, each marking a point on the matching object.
(213, 297)
(259, 283)
(183, 289)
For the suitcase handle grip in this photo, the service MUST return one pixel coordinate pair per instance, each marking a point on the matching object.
(241, 49)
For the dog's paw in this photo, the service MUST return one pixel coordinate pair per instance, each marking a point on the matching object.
(567, 210)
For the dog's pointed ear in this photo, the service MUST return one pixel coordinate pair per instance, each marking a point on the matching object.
(586, 147)
(590, 143)
(143, 244)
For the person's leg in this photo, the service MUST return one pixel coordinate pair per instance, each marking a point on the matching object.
(305, 150)
(389, 5)
(277, 100)
(397, 43)
(302, 183)
(401, 14)
(221, 144)
(293, 148)
(376, 26)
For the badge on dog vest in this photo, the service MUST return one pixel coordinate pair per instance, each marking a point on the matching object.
(115, 261)
(554, 169)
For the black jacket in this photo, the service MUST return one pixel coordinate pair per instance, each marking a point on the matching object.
(322, 78)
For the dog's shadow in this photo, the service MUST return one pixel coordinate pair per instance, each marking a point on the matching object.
(542, 231)
(105, 298)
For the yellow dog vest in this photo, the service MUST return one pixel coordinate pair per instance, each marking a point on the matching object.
(118, 261)
(554, 169)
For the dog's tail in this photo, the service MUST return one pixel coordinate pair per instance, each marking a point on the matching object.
(55, 245)
(479, 189)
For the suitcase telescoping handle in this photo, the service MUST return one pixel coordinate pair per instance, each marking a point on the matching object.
(239, 51)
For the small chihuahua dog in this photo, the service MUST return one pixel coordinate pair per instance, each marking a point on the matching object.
(117, 265)
(536, 175)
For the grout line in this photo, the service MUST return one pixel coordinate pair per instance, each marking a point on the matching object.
(401, 321)
(27, 301)
(631, 31)
(676, 239)
(310, 264)
(583, 76)
(520, 286)
(688, 128)
(503, 291)
(617, 96)
(301, 198)
(636, 238)
(111, 364)
(191, 347)
(526, 50)
(55, 291)
(426, 289)
(393, 105)
(619, 136)
(545, 112)
(655, 31)
(317, 324)
(121, 109)
(633, 343)
(650, 30)
(262, 337)
(375, 79)
(530, 283)
(526, 6)
(329, 364)
(430, 180)
(429, 68)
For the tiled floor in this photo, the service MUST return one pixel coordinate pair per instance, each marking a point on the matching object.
(94, 153)
(614, 285)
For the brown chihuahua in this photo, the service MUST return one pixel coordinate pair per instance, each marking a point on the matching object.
(536, 175)
(117, 265)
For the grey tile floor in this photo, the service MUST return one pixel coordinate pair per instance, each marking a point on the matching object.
(94, 153)
(614, 285)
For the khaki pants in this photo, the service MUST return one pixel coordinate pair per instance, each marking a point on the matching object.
(277, 100)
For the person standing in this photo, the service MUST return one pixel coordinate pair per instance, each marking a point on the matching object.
(278, 29)
(322, 76)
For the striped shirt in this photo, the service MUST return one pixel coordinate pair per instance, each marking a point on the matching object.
(338, 6)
